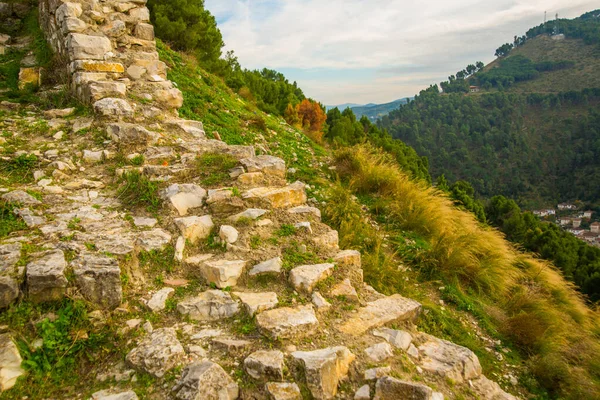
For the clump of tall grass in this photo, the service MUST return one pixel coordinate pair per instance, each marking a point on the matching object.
(531, 302)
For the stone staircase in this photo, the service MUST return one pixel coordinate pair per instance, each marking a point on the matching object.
(319, 327)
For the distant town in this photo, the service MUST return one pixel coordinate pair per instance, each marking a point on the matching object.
(583, 224)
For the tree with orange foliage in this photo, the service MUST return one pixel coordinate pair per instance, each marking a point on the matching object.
(311, 115)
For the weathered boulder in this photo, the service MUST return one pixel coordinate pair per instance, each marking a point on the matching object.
(329, 240)
(223, 273)
(487, 389)
(286, 197)
(113, 394)
(388, 388)
(287, 322)
(348, 258)
(344, 289)
(324, 369)
(448, 359)
(381, 312)
(195, 228)
(86, 47)
(205, 381)
(172, 98)
(230, 345)
(398, 339)
(46, 280)
(373, 374)
(9, 275)
(156, 239)
(183, 197)
(130, 134)
(272, 266)
(157, 353)
(224, 201)
(257, 302)
(379, 352)
(212, 305)
(363, 393)
(283, 391)
(112, 107)
(98, 278)
(158, 300)
(268, 165)
(228, 234)
(265, 365)
(144, 31)
(98, 90)
(320, 302)
(10, 362)
(20, 197)
(306, 277)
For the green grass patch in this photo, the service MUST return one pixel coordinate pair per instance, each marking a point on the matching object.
(213, 168)
(19, 170)
(9, 222)
(136, 190)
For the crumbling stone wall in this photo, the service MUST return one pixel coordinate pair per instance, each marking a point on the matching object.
(110, 53)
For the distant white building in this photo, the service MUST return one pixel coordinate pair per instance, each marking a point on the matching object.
(595, 227)
(545, 213)
(588, 214)
(567, 206)
(564, 220)
(576, 231)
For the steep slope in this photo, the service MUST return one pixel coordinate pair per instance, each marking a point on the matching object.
(160, 257)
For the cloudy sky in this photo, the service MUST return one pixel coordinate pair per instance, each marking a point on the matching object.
(362, 51)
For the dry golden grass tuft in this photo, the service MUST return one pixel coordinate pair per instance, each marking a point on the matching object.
(545, 316)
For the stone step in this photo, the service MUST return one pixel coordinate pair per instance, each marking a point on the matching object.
(268, 197)
(287, 322)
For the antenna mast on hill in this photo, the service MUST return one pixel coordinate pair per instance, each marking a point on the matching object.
(545, 17)
(556, 30)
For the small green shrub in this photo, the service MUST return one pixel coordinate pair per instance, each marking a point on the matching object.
(9, 222)
(213, 168)
(138, 191)
(19, 169)
(286, 230)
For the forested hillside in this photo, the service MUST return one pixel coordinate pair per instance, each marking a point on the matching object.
(531, 133)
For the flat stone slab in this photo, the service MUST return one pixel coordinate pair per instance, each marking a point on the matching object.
(183, 197)
(46, 280)
(9, 274)
(380, 312)
(223, 273)
(269, 165)
(304, 278)
(305, 210)
(265, 365)
(112, 394)
(10, 362)
(212, 305)
(272, 266)
(257, 302)
(195, 228)
(448, 359)
(389, 388)
(324, 369)
(98, 278)
(157, 353)
(286, 197)
(251, 213)
(398, 339)
(156, 239)
(286, 323)
(283, 391)
(205, 380)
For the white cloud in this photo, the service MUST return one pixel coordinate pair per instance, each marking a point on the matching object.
(376, 34)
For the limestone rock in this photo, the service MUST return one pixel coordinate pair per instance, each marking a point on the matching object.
(183, 197)
(98, 279)
(9, 276)
(272, 266)
(376, 373)
(144, 31)
(251, 178)
(223, 273)
(112, 394)
(269, 165)
(144, 222)
(29, 76)
(46, 280)
(329, 240)
(98, 90)
(212, 305)
(286, 197)
(287, 322)
(158, 300)
(10, 362)
(20, 197)
(257, 302)
(320, 302)
(449, 360)
(130, 134)
(223, 201)
(86, 47)
(112, 107)
(324, 369)
(156, 239)
(172, 98)
(157, 353)
(265, 365)
(205, 381)
(398, 339)
(379, 352)
(68, 9)
(306, 277)
(251, 213)
(488, 389)
(306, 210)
(228, 234)
(195, 228)
(363, 393)
(344, 289)
(283, 391)
(231, 345)
(381, 312)
(388, 388)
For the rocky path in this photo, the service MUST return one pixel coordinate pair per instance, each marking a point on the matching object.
(267, 288)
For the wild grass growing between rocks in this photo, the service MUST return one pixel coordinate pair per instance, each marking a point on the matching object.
(526, 299)
(136, 190)
(18, 170)
(212, 168)
(9, 222)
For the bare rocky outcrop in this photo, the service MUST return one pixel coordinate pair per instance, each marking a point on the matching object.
(205, 381)
(98, 279)
(157, 353)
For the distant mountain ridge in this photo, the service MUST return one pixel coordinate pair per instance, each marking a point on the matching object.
(372, 111)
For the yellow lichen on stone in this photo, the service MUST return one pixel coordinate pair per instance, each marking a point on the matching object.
(29, 76)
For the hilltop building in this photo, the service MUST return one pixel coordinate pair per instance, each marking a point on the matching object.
(567, 206)
(595, 227)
